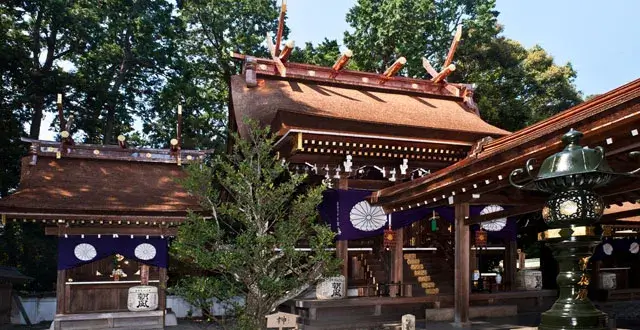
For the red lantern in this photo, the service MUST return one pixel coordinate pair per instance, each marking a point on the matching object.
(481, 237)
(389, 238)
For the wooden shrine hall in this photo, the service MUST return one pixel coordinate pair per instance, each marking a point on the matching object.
(413, 170)
(611, 120)
(360, 132)
(113, 209)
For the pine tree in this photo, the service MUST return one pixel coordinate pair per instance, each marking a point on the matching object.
(258, 212)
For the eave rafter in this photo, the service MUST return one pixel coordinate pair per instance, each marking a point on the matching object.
(611, 123)
(310, 143)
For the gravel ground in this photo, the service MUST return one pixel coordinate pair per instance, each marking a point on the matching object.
(627, 315)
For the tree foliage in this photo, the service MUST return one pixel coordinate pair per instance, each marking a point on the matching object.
(259, 212)
(199, 75)
(515, 86)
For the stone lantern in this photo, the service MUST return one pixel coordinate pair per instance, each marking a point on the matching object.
(571, 176)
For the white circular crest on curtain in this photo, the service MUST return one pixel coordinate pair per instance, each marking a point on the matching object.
(495, 224)
(85, 251)
(145, 251)
(634, 247)
(365, 217)
(607, 249)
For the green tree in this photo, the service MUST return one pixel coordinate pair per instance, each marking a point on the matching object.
(131, 45)
(198, 78)
(258, 212)
(384, 30)
(515, 86)
(41, 34)
(324, 54)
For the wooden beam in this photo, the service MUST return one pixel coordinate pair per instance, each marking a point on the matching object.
(286, 51)
(393, 69)
(60, 113)
(454, 45)
(279, 66)
(510, 265)
(524, 209)
(397, 274)
(60, 291)
(308, 72)
(96, 218)
(427, 66)
(342, 61)
(598, 119)
(461, 279)
(444, 73)
(283, 11)
(342, 246)
(107, 230)
(162, 291)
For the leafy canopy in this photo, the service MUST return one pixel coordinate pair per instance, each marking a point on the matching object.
(516, 87)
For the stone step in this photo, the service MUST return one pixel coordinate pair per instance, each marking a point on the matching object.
(416, 267)
(409, 256)
(428, 285)
(420, 272)
(413, 261)
(422, 279)
(432, 291)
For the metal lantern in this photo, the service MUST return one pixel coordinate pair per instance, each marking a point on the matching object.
(571, 176)
(481, 238)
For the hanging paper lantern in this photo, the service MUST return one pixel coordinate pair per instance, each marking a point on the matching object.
(389, 238)
(481, 237)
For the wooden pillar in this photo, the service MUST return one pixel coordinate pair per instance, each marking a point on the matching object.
(595, 274)
(162, 292)
(462, 278)
(473, 260)
(61, 291)
(342, 247)
(397, 273)
(510, 267)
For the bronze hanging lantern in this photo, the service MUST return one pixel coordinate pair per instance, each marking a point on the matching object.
(571, 176)
(481, 238)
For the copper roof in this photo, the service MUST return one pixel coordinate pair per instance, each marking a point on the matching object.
(346, 105)
(610, 120)
(98, 188)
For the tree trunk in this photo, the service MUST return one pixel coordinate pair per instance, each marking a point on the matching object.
(119, 81)
(255, 316)
(36, 120)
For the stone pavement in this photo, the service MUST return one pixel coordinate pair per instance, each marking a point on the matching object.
(626, 318)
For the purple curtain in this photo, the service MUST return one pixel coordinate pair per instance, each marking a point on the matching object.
(352, 218)
(615, 246)
(74, 251)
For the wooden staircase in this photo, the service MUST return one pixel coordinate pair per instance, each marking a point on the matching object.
(375, 269)
(431, 274)
(419, 272)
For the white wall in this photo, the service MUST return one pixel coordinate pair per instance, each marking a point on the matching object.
(44, 309)
(38, 310)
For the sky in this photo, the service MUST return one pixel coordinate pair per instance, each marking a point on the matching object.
(599, 38)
